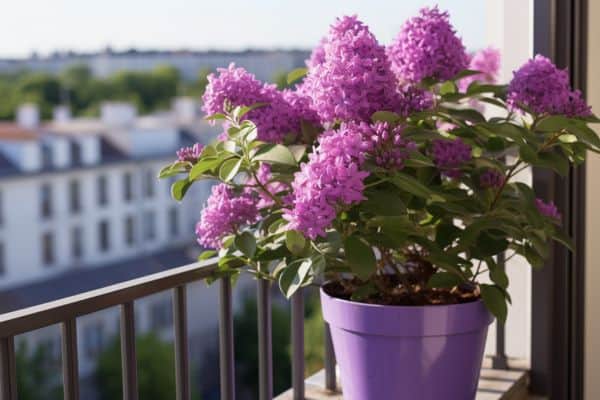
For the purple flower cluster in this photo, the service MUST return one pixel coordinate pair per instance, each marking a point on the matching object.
(224, 213)
(350, 78)
(542, 88)
(548, 209)
(190, 154)
(317, 56)
(491, 178)
(329, 180)
(275, 120)
(388, 148)
(427, 47)
(450, 155)
(486, 61)
(413, 99)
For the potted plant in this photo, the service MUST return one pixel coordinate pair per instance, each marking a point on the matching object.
(379, 177)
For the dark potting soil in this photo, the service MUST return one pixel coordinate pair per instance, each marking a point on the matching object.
(394, 294)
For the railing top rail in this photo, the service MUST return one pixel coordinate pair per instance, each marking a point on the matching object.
(42, 315)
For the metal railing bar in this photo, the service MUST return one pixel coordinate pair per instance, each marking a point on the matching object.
(330, 378)
(54, 312)
(298, 345)
(500, 360)
(226, 349)
(182, 369)
(8, 369)
(70, 366)
(128, 357)
(265, 340)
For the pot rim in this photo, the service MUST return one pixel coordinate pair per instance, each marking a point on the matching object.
(459, 305)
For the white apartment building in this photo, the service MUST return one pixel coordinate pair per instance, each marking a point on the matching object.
(81, 207)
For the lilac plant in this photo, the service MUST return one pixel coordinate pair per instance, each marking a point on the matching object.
(379, 170)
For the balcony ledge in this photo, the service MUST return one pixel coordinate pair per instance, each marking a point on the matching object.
(494, 384)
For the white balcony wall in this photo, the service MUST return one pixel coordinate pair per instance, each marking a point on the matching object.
(510, 29)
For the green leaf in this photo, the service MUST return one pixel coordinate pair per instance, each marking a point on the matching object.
(205, 255)
(448, 87)
(487, 245)
(499, 277)
(294, 275)
(229, 169)
(445, 280)
(170, 170)
(385, 116)
(495, 301)
(246, 243)
(203, 166)
(464, 73)
(446, 233)
(296, 74)
(298, 151)
(554, 161)
(411, 185)
(215, 117)
(417, 160)
(360, 257)
(179, 188)
(383, 202)
(553, 123)
(275, 153)
(295, 242)
(560, 236)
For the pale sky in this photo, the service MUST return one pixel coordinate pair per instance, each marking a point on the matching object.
(86, 25)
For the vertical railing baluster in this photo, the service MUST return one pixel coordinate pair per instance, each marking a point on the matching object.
(226, 349)
(298, 345)
(265, 340)
(330, 378)
(128, 357)
(182, 371)
(499, 360)
(8, 369)
(70, 368)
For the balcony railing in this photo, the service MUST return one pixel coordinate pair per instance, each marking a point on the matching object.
(66, 311)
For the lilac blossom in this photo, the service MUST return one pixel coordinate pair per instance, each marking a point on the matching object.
(388, 148)
(329, 180)
(487, 62)
(225, 212)
(274, 120)
(352, 78)
(540, 87)
(450, 155)
(491, 178)
(427, 47)
(190, 154)
(413, 99)
(548, 209)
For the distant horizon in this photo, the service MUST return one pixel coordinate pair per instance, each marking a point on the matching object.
(89, 27)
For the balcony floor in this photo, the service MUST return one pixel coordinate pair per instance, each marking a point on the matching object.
(493, 385)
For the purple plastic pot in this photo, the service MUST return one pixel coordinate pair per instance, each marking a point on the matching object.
(407, 352)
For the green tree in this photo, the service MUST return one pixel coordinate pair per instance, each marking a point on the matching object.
(156, 374)
(246, 349)
(38, 374)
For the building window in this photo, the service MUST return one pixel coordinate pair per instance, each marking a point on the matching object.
(93, 339)
(161, 315)
(129, 231)
(48, 248)
(103, 236)
(2, 260)
(128, 186)
(77, 242)
(52, 348)
(149, 225)
(102, 190)
(74, 196)
(46, 200)
(174, 221)
(149, 182)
